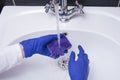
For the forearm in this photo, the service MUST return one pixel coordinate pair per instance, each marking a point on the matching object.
(10, 56)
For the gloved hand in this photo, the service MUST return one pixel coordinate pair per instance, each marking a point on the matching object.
(78, 70)
(37, 45)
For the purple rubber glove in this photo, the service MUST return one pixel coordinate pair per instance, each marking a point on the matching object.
(78, 70)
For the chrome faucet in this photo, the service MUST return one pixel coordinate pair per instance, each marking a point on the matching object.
(65, 14)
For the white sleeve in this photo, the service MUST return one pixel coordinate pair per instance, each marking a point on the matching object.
(10, 56)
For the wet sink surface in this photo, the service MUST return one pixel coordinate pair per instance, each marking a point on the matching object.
(98, 32)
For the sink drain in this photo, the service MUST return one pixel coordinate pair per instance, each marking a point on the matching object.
(63, 63)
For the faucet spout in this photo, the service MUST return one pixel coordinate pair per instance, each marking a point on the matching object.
(63, 6)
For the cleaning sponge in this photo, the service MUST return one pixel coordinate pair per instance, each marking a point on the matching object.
(54, 48)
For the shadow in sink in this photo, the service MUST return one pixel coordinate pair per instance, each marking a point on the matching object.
(103, 53)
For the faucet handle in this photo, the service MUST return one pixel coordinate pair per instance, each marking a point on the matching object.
(79, 7)
(50, 5)
(80, 1)
(78, 4)
(47, 8)
(55, 1)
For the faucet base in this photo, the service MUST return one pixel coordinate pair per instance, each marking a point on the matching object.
(64, 14)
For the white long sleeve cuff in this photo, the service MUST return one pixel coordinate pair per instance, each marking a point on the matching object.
(10, 56)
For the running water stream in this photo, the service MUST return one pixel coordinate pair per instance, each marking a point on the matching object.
(63, 61)
(57, 23)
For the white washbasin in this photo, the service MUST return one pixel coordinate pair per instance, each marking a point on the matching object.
(98, 32)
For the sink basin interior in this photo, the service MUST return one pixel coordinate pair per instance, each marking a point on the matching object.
(103, 55)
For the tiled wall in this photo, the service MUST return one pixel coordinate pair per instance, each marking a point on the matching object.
(2, 2)
(86, 2)
(70, 2)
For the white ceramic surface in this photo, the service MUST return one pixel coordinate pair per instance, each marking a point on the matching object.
(97, 31)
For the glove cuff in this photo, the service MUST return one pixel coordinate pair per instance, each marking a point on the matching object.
(26, 48)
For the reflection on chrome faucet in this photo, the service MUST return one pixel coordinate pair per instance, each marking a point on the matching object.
(65, 14)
